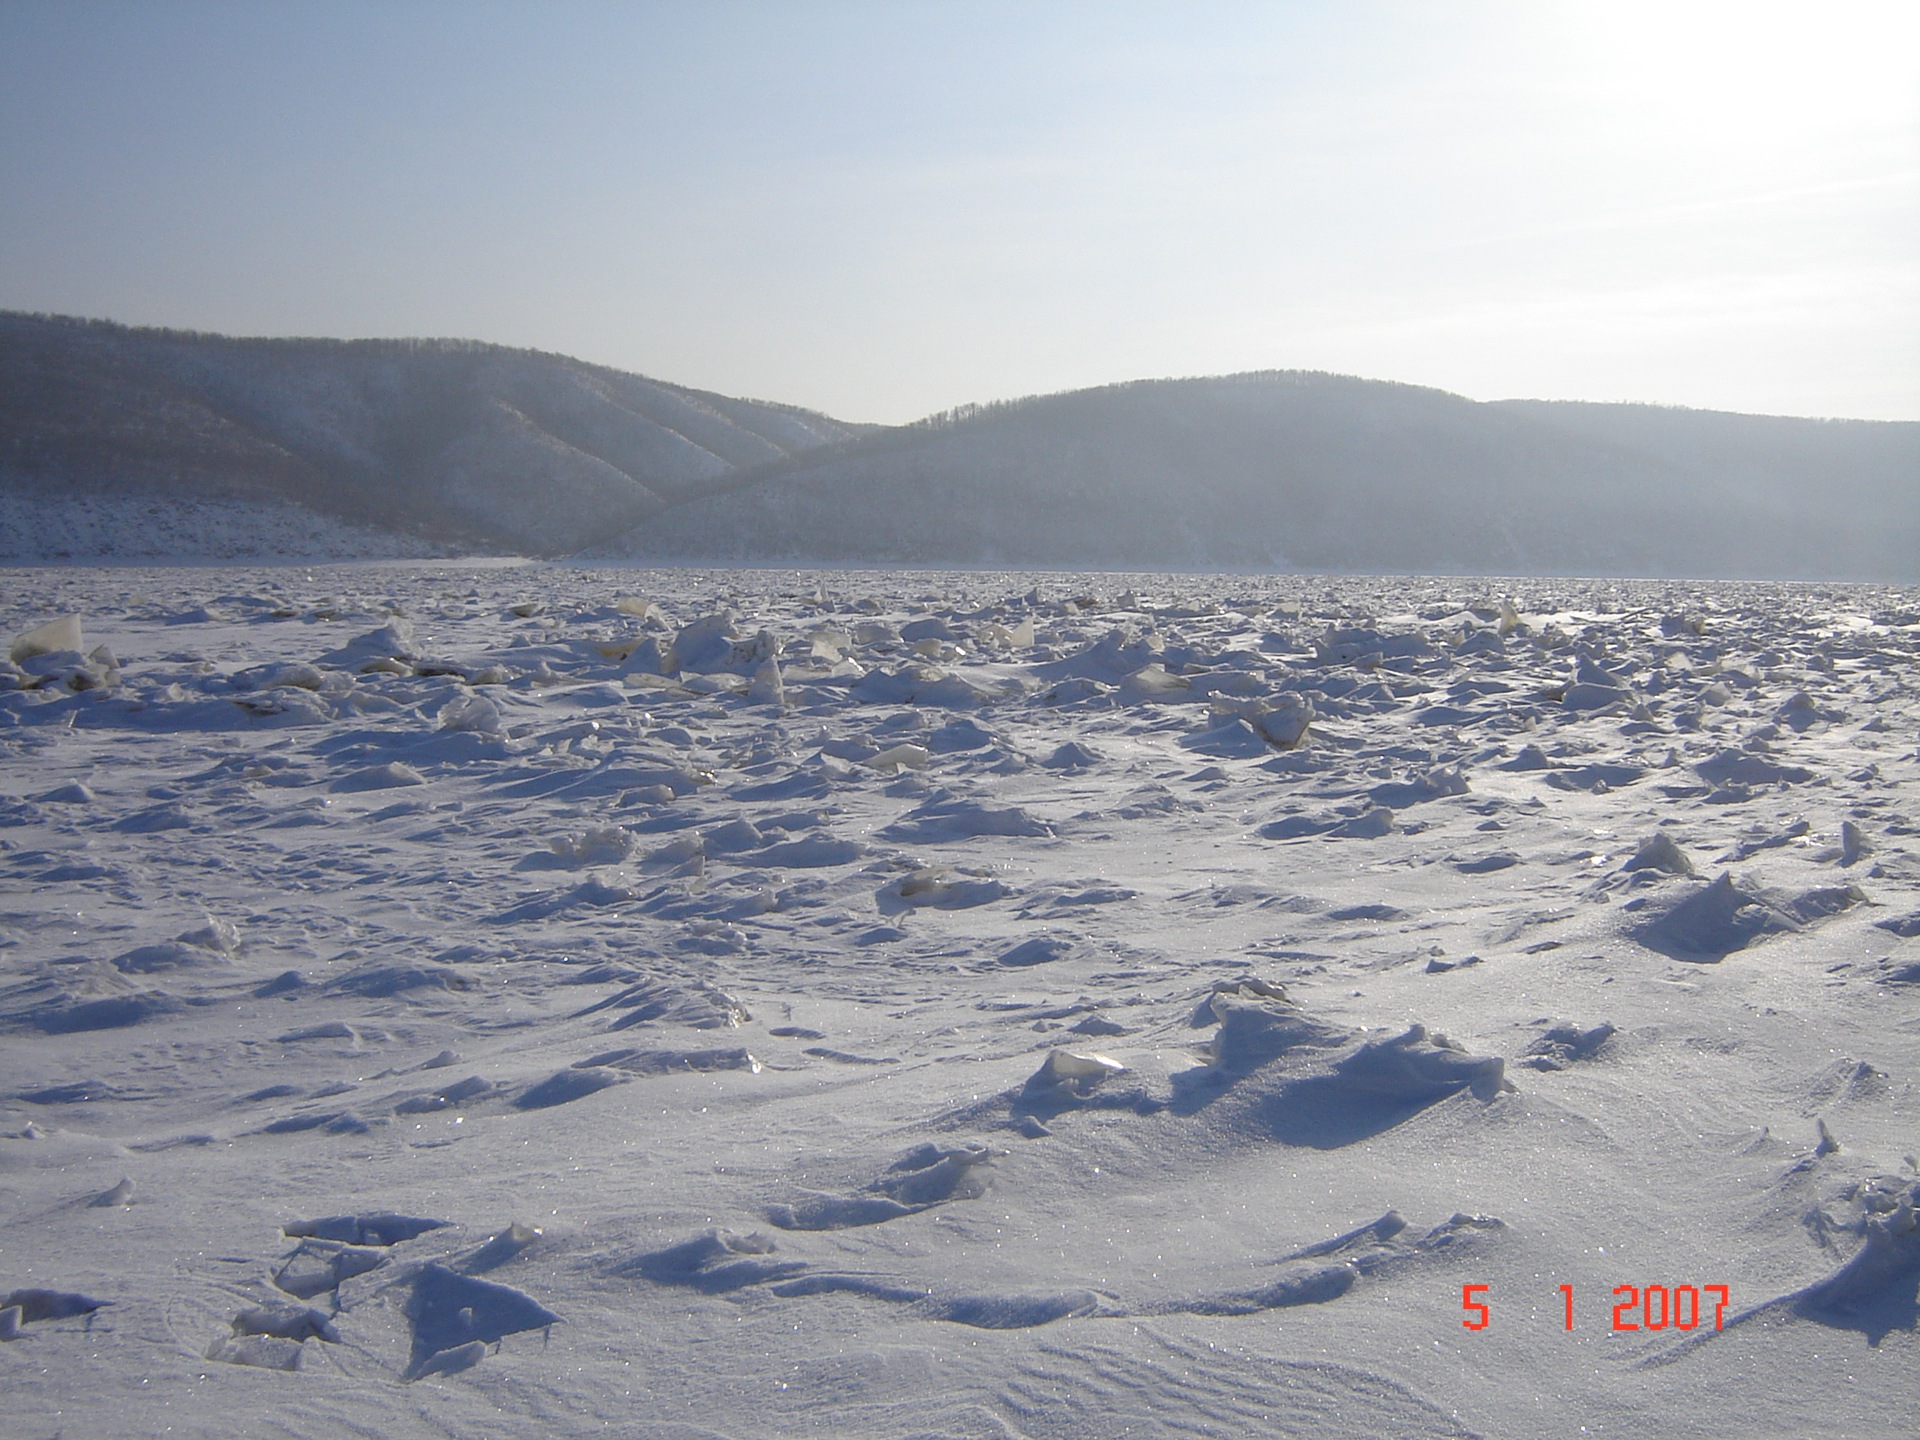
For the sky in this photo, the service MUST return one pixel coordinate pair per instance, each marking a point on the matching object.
(885, 209)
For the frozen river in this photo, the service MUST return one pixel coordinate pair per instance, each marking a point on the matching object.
(459, 999)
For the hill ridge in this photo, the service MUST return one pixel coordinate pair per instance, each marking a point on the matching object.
(1309, 470)
(456, 442)
(446, 445)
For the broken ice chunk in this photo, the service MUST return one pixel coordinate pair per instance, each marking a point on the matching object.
(1074, 1073)
(48, 639)
(470, 713)
(1659, 852)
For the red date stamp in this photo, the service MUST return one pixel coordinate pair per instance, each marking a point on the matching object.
(1636, 1307)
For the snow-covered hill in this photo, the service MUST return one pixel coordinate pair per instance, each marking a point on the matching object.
(83, 527)
(1311, 472)
(124, 444)
(440, 444)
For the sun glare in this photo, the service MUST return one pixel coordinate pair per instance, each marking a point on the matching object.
(1769, 80)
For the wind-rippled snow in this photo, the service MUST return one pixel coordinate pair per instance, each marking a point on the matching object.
(1048, 1005)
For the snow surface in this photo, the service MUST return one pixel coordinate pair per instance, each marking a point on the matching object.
(445, 998)
(118, 528)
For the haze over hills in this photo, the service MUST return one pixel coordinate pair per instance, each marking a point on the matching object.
(119, 443)
(452, 444)
(1301, 471)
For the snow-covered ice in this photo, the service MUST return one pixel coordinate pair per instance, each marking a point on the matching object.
(463, 998)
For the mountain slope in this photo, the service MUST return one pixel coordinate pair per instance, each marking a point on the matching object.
(1320, 472)
(449, 442)
(407, 447)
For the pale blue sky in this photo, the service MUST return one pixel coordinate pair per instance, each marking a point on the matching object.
(882, 209)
